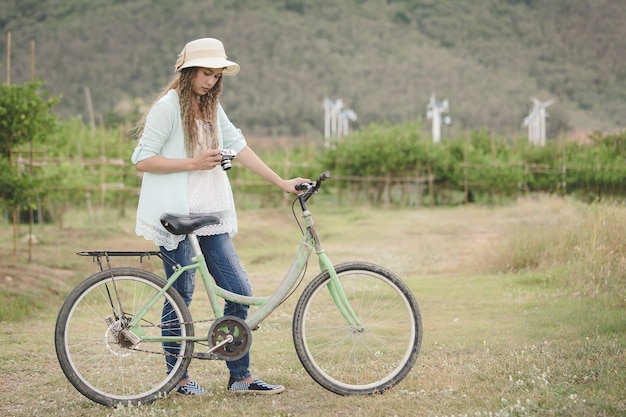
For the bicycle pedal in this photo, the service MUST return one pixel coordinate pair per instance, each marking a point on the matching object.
(205, 356)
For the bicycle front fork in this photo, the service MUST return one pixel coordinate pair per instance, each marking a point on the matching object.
(338, 295)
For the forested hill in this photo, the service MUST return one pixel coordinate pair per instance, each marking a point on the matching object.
(384, 58)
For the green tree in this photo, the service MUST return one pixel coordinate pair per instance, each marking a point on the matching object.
(25, 117)
(16, 191)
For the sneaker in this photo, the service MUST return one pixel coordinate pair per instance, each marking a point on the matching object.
(191, 388)
(255, 387)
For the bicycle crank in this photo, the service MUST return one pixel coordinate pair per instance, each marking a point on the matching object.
(229, 338)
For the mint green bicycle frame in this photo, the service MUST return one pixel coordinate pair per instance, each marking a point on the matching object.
(267, 305)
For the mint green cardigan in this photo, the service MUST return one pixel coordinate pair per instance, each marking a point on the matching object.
(167, 193)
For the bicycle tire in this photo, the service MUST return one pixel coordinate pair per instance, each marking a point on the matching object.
(346, 361)
(92, 357)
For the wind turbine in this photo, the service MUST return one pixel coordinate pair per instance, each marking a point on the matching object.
(345, 117)
(536, 122)
(332, 109)
(336, 120)
(328, 105)
(435, 110)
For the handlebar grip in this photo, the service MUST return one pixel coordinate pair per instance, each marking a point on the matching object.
(303, 186)
(324, 175)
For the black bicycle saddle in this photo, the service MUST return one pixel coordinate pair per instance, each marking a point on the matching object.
(184, 224)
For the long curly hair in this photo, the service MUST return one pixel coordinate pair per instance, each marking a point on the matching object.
(183, 83)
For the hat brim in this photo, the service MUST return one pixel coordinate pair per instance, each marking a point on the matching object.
(230, 68)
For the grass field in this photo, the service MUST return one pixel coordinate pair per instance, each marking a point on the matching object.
(523, 307)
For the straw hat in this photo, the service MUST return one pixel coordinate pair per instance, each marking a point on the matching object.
(206, 53)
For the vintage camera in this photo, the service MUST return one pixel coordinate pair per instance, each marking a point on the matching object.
(227, 156)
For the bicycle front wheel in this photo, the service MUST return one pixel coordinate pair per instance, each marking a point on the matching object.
(93, 351)
(349, 360)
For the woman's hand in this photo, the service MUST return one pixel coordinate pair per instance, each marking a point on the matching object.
(290, 185)
(207, 159)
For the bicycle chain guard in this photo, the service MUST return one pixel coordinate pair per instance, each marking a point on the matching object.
(227, 326)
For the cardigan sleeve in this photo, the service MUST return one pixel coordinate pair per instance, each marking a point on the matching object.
(160, 124)
(231, 136)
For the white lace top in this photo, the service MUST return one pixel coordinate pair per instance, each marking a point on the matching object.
(209, 192)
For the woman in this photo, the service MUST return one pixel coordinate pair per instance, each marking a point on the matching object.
(181, 138)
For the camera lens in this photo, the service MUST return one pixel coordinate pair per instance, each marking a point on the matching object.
(226, 164)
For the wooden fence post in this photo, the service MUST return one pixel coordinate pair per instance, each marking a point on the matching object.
(465, 179)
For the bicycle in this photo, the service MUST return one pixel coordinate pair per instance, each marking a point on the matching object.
(356, 327)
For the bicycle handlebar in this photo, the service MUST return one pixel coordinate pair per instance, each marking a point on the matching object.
(315, 185)
(309, 188)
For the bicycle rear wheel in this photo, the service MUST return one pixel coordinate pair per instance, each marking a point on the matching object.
(346, 360)
(94, 354)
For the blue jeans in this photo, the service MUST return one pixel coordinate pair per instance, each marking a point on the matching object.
(227, 271)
